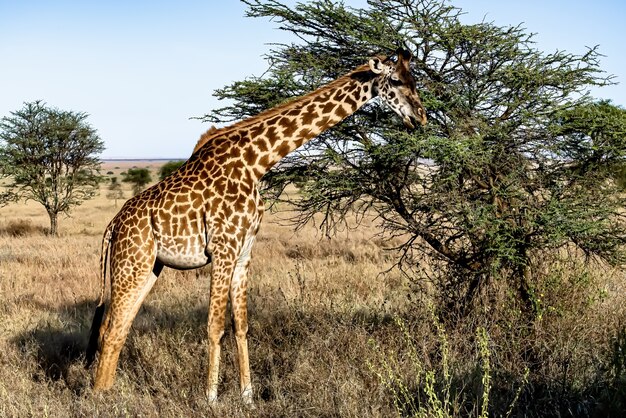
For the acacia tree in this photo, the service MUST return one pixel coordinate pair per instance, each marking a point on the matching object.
(138, 177)
(51, 157)
(506, 169)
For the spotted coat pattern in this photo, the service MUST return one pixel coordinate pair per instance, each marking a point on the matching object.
(209, 210)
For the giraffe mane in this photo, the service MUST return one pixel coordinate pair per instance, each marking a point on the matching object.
(214, 132)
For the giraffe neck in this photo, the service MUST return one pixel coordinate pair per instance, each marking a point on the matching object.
(266, 138)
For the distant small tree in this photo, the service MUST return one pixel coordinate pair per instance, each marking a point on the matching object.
(138, 177)
(50, 156)
(169, 167)
(115, 190)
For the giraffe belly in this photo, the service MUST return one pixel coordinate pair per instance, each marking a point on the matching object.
(183, 257)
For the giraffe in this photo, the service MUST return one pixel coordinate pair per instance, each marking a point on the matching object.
(209, 211)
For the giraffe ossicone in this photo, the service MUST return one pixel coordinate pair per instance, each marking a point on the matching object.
(209, 211)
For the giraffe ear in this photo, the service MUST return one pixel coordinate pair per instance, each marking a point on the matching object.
(376, 65)
(404, 54)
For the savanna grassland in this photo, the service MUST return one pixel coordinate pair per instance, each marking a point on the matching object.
(328, 329)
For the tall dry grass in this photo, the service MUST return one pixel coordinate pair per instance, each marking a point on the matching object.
(320, 312)
(311, 301)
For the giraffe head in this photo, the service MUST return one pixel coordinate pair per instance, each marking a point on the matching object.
(395, 85)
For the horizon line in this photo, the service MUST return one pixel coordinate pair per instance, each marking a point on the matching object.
(144, 158)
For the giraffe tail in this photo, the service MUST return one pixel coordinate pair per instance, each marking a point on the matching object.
(94, 333)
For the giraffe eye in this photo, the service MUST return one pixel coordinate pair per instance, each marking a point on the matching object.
(395, 81)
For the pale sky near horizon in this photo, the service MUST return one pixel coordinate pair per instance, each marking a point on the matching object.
(142, 69)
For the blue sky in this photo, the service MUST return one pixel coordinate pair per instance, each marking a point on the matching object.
(141, 69)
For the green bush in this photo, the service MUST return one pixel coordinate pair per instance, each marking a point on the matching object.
(169, 167)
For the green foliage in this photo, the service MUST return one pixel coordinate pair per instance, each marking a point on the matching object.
(620, 177)
(51, 156)
(427, 394)
(138, 177)
(516, 161)
(426, 387)
(169, 167)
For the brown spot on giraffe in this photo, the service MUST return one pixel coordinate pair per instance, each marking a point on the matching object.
(210, 210)
(339, 95)
(328, 108)
(341, 112)
(261, 144)
(249, 155)
(290, 125)
(283, 149)
(309, 115)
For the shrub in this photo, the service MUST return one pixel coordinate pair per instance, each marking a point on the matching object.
(169, 167)
(21, 227)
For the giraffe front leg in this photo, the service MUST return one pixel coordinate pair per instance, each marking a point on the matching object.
(221, 275)
(239, 304)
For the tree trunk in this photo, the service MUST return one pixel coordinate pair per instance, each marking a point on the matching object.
(53, 223)
(524, 289)
(524, 276)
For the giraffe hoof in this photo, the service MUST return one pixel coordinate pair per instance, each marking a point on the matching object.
(212, 397)
(249, 404)
(246, 397)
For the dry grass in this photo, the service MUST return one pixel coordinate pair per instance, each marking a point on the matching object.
(309, 302)
(315, 307)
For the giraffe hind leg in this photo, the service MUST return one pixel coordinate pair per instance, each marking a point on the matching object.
(124, 308)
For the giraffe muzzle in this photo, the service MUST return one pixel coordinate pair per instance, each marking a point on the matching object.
(412, 121)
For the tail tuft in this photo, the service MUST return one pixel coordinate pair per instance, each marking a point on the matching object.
(94, 336)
